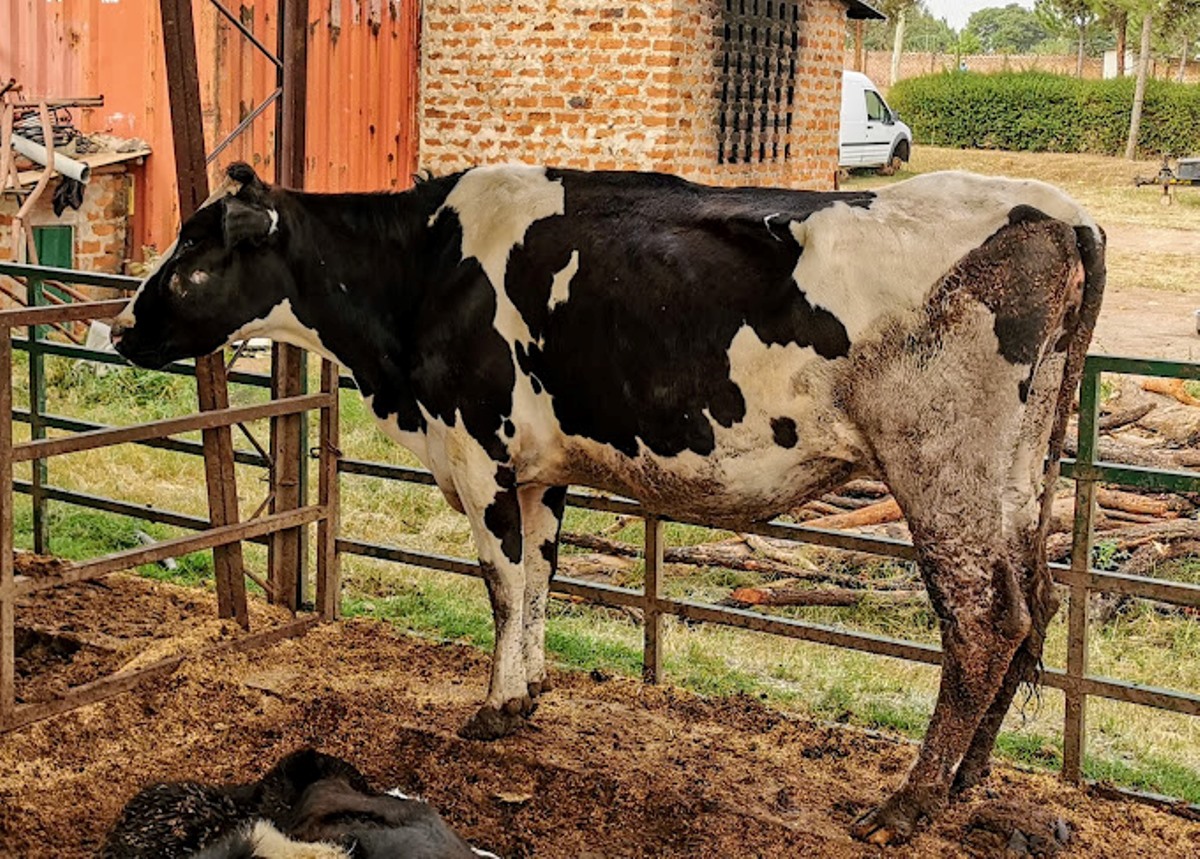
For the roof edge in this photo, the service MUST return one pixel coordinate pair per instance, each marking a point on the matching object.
(860, 11)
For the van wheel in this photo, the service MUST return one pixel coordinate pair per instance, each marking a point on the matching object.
(892, 167)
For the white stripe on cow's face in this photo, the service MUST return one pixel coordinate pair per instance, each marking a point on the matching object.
(282, 325)
(496, 206)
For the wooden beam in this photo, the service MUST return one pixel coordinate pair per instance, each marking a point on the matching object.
(187, 125)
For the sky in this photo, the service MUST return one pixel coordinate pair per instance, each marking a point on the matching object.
(956, 12)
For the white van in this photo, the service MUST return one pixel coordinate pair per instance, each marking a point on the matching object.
(870, 134)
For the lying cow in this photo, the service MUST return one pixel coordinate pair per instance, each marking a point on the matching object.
(718, 354)
(308, 806)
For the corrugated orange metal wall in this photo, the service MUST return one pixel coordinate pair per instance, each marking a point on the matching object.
(362, 80)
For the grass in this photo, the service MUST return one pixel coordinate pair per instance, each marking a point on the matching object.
(1129, 745)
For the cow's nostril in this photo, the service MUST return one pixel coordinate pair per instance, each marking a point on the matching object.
(116, 333)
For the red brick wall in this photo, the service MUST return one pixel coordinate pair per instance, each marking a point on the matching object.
(101, 223)
(599, 84)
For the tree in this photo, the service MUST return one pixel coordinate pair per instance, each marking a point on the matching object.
(1009, 29)
(1114, 14)
(1139, 92)
(923, 32)
(1076, 17)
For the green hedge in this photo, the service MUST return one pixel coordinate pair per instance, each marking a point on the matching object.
(1041, 112)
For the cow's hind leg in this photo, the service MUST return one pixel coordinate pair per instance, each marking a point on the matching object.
(541, 514)
(962, 448)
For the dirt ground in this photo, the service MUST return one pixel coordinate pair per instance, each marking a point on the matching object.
(609, 767)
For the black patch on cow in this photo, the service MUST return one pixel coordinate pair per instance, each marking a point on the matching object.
(506, 478)
(549, 550)
(460, 363)
(668, 274)
(785, 432)
(509, 428)
(503, 519)
(1025, 214)
(535, 384)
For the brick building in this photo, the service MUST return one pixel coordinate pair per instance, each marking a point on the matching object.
(96, 236)
(720, 91)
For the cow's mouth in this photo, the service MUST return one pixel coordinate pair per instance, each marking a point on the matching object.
(149, 359)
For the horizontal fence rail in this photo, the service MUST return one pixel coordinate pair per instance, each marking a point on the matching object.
(1079, 577)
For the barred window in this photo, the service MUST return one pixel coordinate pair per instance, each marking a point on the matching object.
(759, 43)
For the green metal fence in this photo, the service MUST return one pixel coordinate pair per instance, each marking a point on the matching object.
(1079, 577)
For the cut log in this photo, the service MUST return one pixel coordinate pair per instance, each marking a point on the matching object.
(789, 594)
(1058, 546)
(1145, 558)
(1117, 419)
(847, 502)
(875, 514)
(1171, 388)
(1130, 502)
(730, 554)
(595, 567)
(1111, 450)
(866, 488)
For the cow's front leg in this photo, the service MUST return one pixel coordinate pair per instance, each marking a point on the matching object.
(495, 513)
(541, 514)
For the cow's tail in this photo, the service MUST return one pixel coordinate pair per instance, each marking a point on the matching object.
(1077, 334)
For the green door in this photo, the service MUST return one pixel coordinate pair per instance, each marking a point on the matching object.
(55, 246)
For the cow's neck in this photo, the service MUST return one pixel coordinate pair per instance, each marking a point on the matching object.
(354, 257)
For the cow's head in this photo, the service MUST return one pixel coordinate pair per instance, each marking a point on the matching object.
(224, 272)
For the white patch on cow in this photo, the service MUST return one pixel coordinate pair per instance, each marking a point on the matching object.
(282, 325)
(274, 216)
(399, 794)
(560, 290)
(861, 264)
(414, 441)
(484, 853)
(342, 286)
(198, 277)
(270, 843)
(496, 206)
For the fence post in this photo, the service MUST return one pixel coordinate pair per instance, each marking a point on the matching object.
(652, 667)
(328, 572)
(37, 427)
(1075, 727)
(8, 644)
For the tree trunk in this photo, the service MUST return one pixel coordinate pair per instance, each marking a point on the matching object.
(1187, 43)
(1079, 57)
(1139, 93)
(1121, 24)
(898, 45)
(859, 27)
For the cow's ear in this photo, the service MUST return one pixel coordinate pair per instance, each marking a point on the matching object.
(244, 222)
(243, 174)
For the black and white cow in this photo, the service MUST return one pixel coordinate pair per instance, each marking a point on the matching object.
(716, 353)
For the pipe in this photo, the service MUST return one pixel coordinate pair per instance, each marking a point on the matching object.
(68, 167)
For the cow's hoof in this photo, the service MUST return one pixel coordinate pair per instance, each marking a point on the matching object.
(893, 822)
(490, 723)
(969, 775)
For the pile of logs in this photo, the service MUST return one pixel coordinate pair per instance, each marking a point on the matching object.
(1153, 423)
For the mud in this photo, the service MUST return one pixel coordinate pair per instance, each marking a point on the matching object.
(608, 768)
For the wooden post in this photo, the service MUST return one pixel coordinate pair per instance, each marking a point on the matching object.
(328, 572)
(1075, 725)
(183, 88)
(652, 667)
(8, 644)
(287, 554)
(859, 27)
